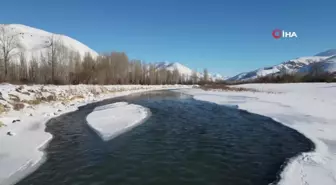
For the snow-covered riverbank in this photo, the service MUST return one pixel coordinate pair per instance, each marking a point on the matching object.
(308, 108)
(22, 134)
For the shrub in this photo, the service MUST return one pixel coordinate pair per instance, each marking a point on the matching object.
(2, 108)
(32, 102)
(226, 88)
(2, 124)
(18, 106)
(14, 97)
(51, 98)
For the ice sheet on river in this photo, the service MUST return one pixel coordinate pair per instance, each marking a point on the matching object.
(111, 120)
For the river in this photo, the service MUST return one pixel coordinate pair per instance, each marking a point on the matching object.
(185, 141)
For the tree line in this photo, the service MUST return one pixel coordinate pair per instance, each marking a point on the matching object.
(57, 64)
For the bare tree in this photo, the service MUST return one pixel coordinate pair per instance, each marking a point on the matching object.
(8, 44)
(33, 70)
(54, 48)
(194, 77)
(176, 76)
(23, 67)
(205, 75)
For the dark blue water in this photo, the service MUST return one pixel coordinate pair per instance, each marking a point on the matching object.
(184, 142)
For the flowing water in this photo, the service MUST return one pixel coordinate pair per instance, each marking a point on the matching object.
(185, 141)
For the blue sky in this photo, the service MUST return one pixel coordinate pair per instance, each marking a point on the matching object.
(227, 37)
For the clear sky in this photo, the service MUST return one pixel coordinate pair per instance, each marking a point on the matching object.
(224, 36)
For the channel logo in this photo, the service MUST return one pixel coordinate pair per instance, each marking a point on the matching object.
(277, 34)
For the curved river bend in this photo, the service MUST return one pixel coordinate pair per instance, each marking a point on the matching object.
(185, 141)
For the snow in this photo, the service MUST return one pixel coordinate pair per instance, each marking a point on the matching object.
(111, 120)
(287, 67)
(181, 68)
(22, 153)
(35, 41)
(186, 72)
(19, 154)
(171, 66)
(328, 65)
(307, 108)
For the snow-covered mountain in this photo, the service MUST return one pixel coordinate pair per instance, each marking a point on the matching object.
(185, 71)
(217, 77)
(301, 64)
(34, 42)
(328, 65)
(327, 53)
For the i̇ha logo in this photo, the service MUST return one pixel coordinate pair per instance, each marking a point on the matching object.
(277, 34)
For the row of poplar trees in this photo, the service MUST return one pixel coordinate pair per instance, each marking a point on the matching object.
(56, 64)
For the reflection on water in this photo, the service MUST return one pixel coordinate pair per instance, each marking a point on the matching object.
(184, 142)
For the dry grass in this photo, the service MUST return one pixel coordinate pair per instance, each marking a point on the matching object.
(68, 100)
(76, 97)
(223, 87)
(32, 102)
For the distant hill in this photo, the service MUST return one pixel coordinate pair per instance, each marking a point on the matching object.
(298, 65)
(185, 71)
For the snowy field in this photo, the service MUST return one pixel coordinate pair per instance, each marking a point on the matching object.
(307, 108)
(22, 135)
(111, 120)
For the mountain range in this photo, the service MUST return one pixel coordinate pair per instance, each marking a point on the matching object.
(326, 61)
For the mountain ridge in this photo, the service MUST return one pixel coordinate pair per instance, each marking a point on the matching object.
(185, 71)
(290, 66)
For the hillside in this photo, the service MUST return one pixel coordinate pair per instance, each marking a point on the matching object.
(34, 42)
(297, 65)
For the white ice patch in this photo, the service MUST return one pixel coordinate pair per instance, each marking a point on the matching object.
(114, 119)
